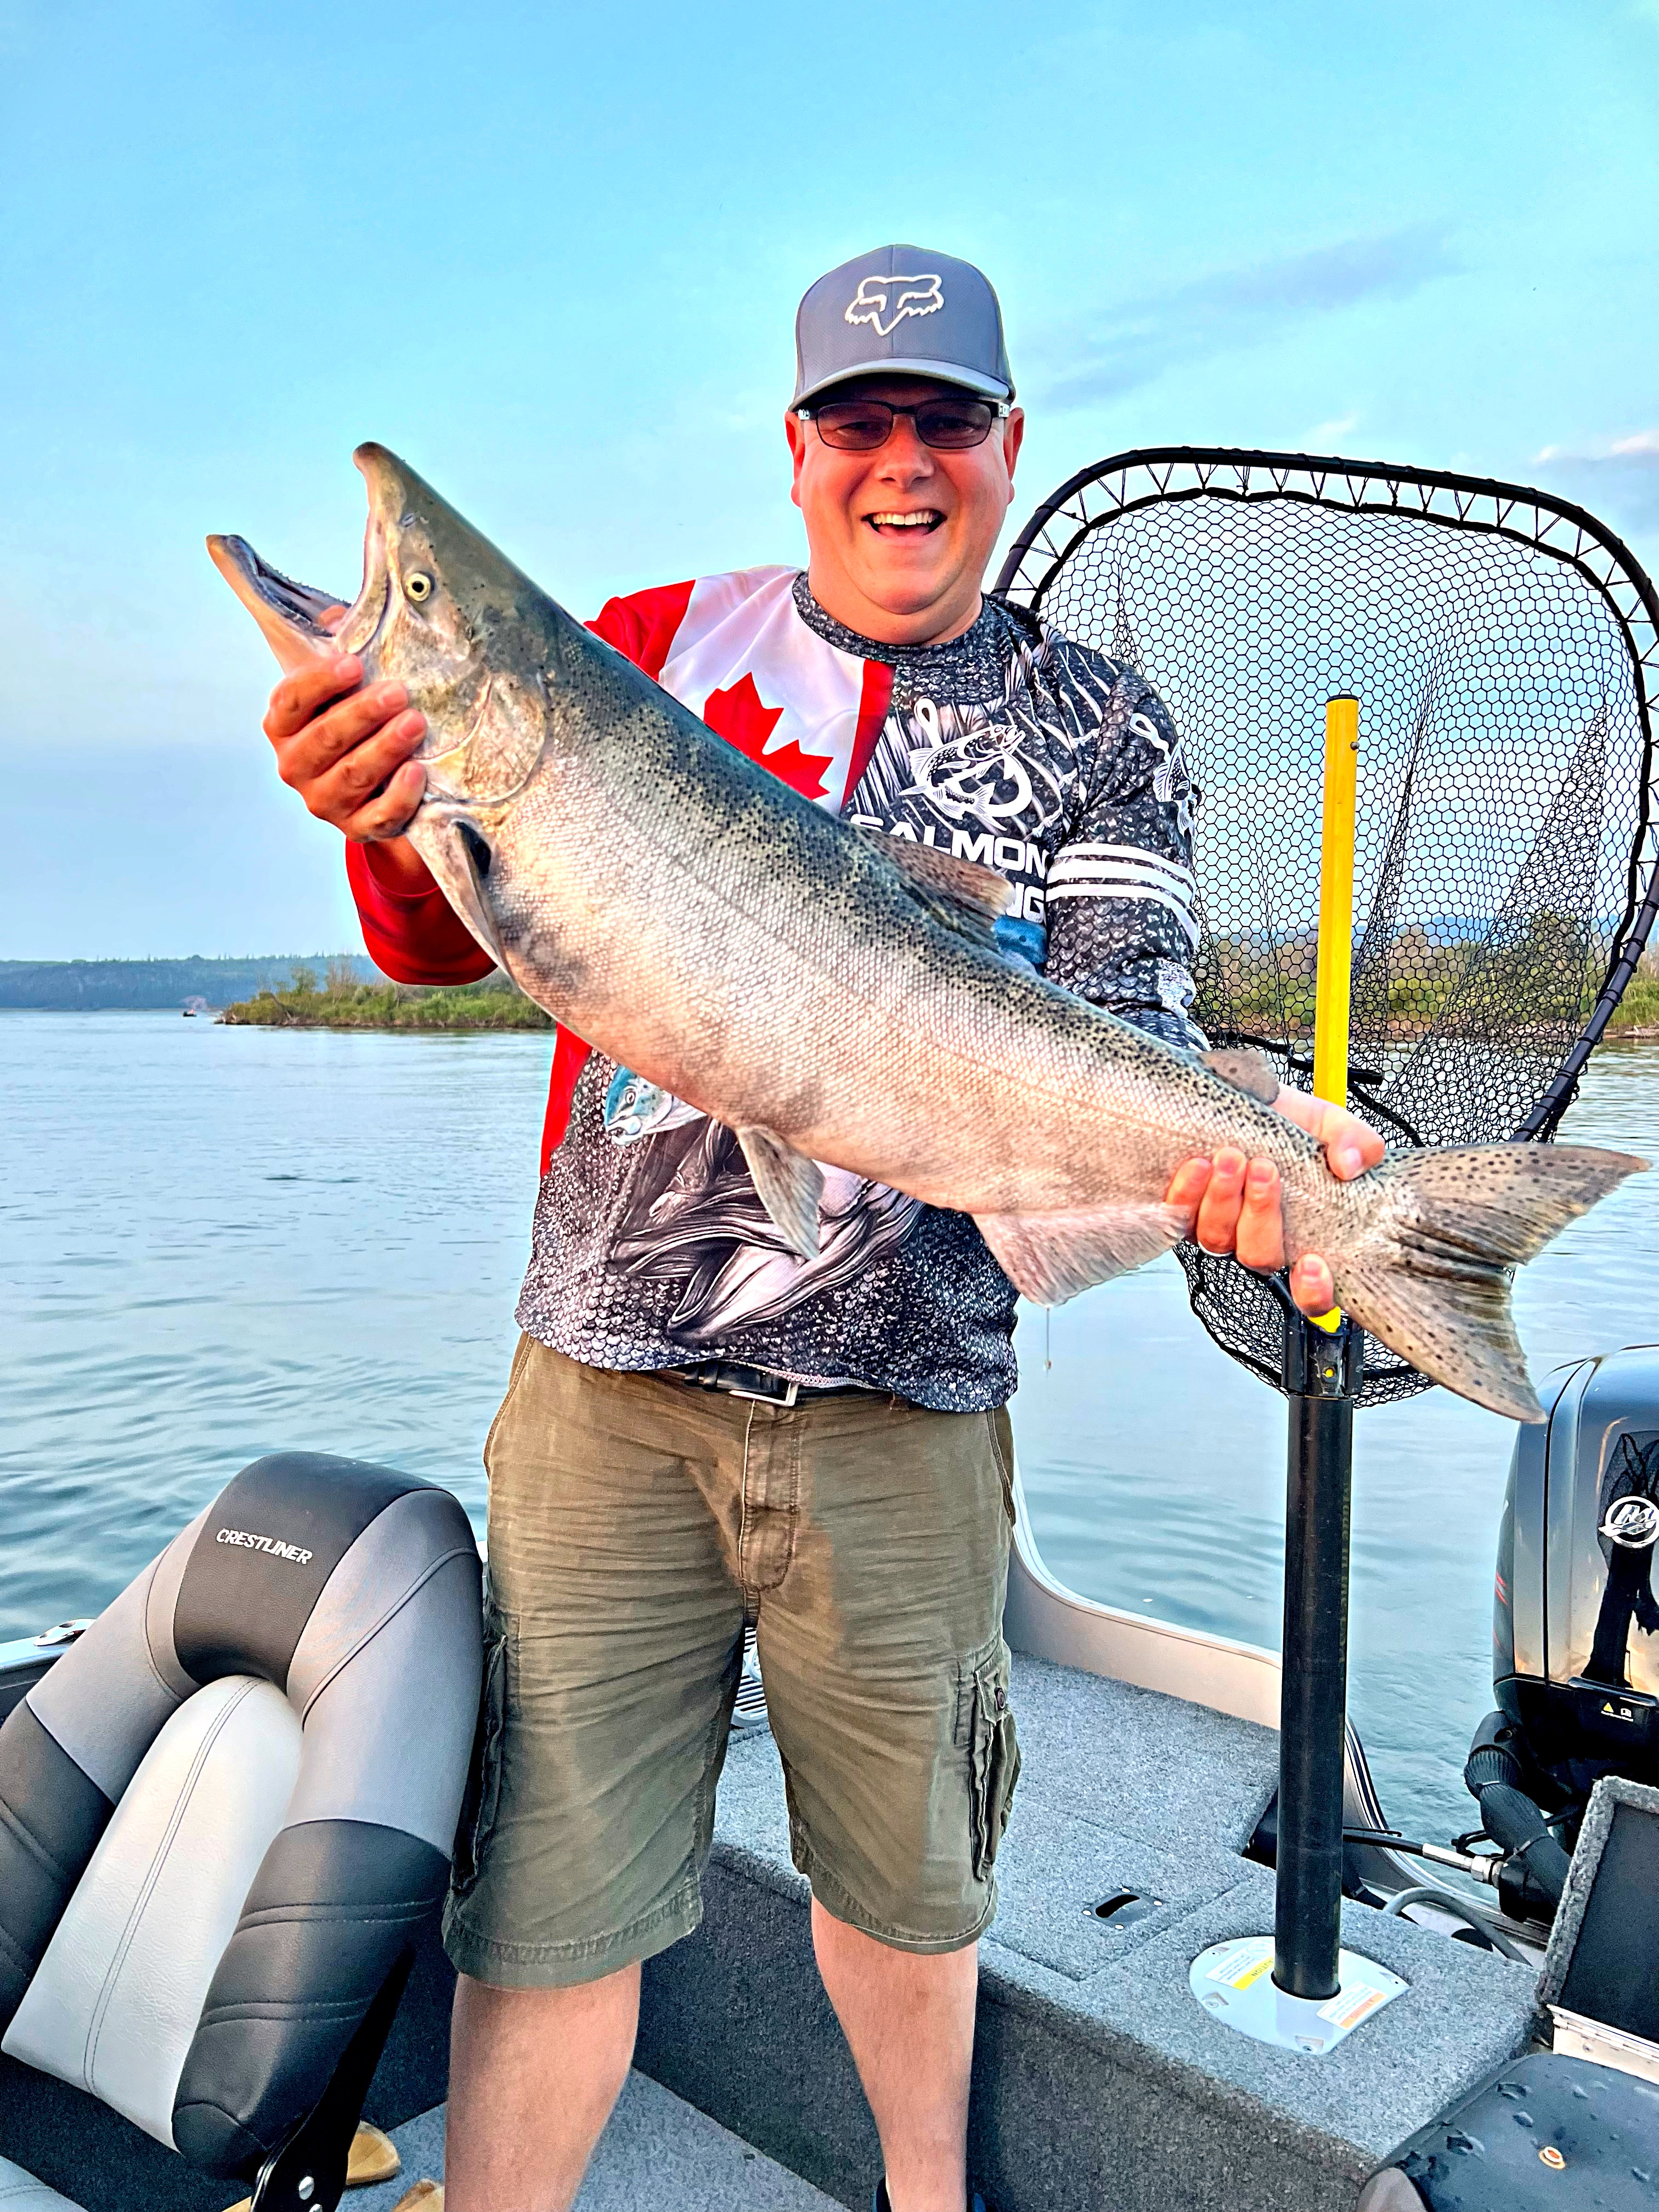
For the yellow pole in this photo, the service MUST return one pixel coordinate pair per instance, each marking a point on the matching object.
(1335, 973)
(1331, 987)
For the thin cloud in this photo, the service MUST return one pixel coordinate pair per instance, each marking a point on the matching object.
(1617, 477)
(1136, 342)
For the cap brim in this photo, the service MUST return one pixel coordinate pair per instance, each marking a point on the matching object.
(938, 372)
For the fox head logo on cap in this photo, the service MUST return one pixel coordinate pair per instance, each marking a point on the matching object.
(884, 301)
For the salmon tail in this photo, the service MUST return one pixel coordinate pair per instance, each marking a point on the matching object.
(1431, 1279)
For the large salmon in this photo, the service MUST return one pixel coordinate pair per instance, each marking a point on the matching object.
(834, 995)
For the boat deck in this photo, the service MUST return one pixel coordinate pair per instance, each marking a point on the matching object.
(657, 2151)
(1099, 2081)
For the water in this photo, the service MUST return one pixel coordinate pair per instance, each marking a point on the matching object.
(218, 1243)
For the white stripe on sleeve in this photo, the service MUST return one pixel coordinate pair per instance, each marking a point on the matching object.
(1128, 887)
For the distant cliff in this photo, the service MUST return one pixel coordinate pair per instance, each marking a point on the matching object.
(88, 985)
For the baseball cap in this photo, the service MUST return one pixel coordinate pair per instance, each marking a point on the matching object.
(901, 310)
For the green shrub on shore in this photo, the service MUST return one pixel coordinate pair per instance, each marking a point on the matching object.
(1639, 1007)
(340, 1002)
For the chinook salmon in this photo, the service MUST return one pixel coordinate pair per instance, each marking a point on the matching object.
(835, 995)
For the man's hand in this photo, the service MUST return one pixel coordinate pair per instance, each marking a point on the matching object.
(1236, 1201)
(346, 752)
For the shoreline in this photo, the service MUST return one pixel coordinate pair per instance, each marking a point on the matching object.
(495, 1005)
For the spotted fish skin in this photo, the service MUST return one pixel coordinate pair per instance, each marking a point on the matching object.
(834, 999)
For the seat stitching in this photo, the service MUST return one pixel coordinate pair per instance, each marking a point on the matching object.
(113, 1974)
(11, 1819)
(457, 1551)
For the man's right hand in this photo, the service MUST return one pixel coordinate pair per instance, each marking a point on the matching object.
(346, 752)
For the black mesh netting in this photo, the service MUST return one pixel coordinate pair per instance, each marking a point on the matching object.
(1503, 649)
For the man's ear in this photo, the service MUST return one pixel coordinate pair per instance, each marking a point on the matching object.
(795, 431)
(1013, 434)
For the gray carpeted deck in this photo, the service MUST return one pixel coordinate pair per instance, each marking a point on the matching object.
(657, 2151)
(1098, 2083)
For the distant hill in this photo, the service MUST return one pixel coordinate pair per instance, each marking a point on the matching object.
(90, 986)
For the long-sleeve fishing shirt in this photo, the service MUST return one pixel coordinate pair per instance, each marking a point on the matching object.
(1009, 745)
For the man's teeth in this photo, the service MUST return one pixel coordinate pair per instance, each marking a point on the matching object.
(923, 521)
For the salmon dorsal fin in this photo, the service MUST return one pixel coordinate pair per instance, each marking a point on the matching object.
(788, 1185)
(1050, 1257)
(960, 893)
(1246, 1069)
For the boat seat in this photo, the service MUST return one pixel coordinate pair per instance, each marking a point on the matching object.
(226, 1818)
(21, 2192)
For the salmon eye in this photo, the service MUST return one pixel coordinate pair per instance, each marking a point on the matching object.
(417, 586)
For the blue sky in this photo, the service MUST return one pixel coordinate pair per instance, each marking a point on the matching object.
(551, 255)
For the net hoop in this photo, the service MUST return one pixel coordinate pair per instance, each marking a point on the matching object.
(1241, 1310)
(1169, 475)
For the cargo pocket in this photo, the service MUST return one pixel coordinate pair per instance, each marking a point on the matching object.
(987, 1721)
(484, 1784)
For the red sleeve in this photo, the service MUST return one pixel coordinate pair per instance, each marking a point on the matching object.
(644, 625)
(414, 936)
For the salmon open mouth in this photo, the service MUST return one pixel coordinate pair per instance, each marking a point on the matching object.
(294, 616)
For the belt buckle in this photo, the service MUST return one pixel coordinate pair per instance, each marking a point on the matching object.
(786, 1396)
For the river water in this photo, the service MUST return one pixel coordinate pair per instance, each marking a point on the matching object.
(218, 1243)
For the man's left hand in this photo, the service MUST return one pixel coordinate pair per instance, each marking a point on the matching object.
(1236, 1205)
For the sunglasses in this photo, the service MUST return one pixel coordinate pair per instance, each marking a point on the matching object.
(864, 426)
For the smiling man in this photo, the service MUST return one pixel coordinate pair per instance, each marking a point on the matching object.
(703, 1431)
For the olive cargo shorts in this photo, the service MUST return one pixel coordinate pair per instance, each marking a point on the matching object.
(635, 1525)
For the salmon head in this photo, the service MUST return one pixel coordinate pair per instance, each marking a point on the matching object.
(441, 611)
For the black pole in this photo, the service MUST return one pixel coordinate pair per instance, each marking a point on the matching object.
(1321, 1378)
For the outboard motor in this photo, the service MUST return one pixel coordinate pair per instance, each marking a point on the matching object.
(225, 1818)
(1576, 1622)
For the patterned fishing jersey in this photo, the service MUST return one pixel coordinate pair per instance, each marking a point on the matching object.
(1010, 746)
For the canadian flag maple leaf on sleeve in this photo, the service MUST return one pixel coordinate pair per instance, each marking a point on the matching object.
(740, 716)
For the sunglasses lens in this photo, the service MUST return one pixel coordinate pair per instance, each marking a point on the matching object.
(951, 426)
(855, 426)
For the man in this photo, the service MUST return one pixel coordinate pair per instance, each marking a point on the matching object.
(703, 1431)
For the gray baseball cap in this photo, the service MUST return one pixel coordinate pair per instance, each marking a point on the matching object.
(901, 311)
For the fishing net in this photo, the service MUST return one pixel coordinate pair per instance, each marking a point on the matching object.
(1504, 651)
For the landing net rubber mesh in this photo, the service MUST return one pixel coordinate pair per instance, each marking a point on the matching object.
(1501, 647)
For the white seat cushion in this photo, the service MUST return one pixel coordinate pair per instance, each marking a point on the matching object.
(115, 2001)
(21, 2192)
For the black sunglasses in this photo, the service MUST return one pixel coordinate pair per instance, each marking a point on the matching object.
(864, 426)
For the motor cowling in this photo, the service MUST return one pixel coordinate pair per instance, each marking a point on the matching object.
(1576, 1617)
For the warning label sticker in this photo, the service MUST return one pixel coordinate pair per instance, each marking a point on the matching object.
(1244, 1966)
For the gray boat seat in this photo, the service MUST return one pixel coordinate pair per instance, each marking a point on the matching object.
(226, 1814)
(21, 2192)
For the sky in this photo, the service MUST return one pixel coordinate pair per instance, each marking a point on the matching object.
(551, 255)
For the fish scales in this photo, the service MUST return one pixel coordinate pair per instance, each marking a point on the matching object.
(837, 998)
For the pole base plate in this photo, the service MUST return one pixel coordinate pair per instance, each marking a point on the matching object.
(1234, 1982)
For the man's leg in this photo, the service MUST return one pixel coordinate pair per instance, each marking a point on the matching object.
(909, 2017)
(533, 2076)
(887, 1683)
(613, 1643)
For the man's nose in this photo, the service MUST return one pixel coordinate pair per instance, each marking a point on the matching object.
(904, 457)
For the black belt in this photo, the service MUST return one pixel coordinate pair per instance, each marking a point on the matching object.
(738, 1381)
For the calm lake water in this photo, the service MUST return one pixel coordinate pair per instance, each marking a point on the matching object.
(216, 1243)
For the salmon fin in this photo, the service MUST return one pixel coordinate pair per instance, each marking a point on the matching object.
(1433, 1283)
(789, 1187)
(1245, 1069)
(1050, 1257)
(453, 860)
(960, 893)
